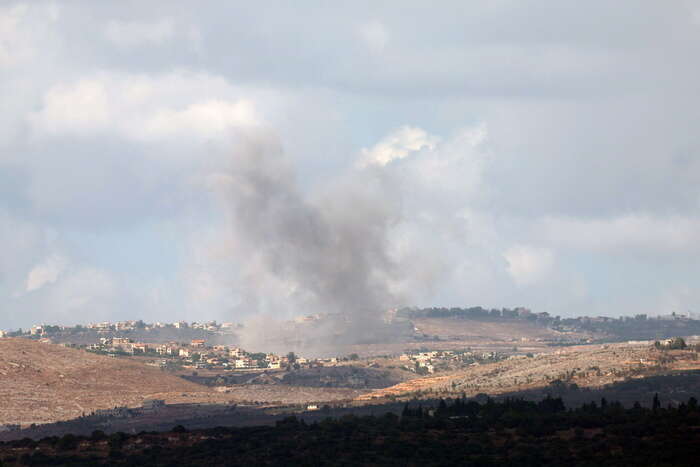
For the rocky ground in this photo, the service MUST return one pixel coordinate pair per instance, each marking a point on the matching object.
(42, 383)
(587, 366)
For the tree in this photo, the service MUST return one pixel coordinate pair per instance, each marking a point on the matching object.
(67, 442)
(291, 357)
(677, 343)
(354, 356)
(656, 404)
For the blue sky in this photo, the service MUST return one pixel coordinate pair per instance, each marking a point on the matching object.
(523, 153)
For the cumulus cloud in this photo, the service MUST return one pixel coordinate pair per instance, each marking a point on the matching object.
(143, 107)
(47, 272)
(397, 145)
(585, 171)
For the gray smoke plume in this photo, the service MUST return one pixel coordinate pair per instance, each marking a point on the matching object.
(301, 255)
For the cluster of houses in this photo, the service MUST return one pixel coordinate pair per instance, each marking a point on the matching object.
(431, 361)
(198, 354)
(132, 325)
(195, 353)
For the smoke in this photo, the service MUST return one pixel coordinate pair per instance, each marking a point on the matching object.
(298, 253)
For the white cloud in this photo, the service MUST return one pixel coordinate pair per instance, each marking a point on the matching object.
(397, 145)
(145, 107)
(208, 118)
(82, 106)
(136, 33)
(47, 272)
(528, 265)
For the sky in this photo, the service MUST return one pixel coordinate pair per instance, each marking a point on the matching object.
(503, 153)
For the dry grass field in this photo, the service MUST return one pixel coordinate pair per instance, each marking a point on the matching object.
(42, 383)
(503, 330)
(586, 366)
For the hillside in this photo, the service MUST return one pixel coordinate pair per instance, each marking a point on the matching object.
(502, 330)
(587, 366)
(44, 382)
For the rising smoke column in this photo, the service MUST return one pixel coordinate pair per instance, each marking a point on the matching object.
(301, 254)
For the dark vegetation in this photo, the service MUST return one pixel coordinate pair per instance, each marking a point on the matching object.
(674, 388)
(677, 343)
(319, 377)
(513, 432)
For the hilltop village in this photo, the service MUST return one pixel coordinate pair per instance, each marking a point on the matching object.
(432, 339)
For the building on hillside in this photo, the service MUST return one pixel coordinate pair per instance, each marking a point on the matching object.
(245, 362)
(125, 325)
(139, 347)
(198, 342)
(186, 353)
(153, 404)
(165, 349)
(121, 412)
(181, 325)
(235, 352)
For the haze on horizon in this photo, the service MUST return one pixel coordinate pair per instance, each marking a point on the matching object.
(166, 161)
